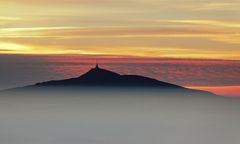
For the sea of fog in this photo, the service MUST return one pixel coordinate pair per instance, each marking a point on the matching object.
(117, 117)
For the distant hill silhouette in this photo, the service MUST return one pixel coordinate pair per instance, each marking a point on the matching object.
(105, 79)
(98, 77)
(102, 77)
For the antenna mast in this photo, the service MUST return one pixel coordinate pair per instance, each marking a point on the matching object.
(97, 64)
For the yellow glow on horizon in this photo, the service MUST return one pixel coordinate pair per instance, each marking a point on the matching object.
(145, 52)
(208, 22)
(9, 18)
(12, 48)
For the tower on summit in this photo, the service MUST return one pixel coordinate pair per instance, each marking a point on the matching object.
(97, 66)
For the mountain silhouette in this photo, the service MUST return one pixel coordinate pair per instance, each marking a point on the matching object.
(98, 79)
(102, 77)
(106, 79)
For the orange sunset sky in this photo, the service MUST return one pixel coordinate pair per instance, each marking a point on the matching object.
(146, 29)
